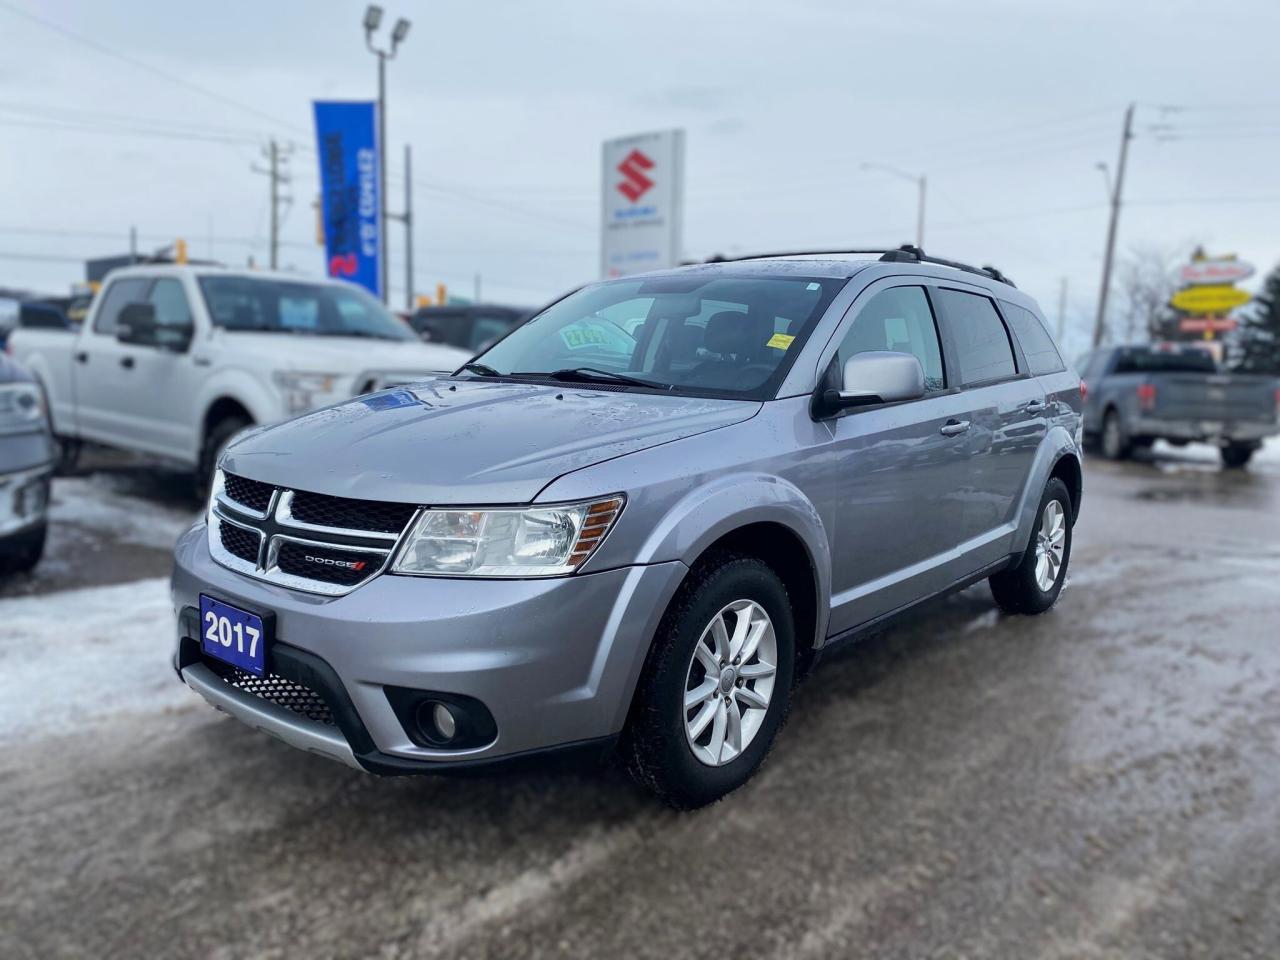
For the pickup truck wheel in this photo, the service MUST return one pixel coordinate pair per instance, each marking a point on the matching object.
(1115, 445)
(1034, 584)
(1235, 455)
(716, 687)
(21, 552)
(214, 443)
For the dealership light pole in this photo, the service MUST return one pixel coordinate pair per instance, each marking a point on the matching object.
(919, 180)
(372, 18)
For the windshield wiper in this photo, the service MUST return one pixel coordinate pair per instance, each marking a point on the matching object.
(483, 369)
(592, 375)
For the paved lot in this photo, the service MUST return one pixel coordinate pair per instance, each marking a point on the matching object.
(1103, 781)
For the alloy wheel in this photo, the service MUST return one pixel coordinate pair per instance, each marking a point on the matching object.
(729, 683)
(1051, 543)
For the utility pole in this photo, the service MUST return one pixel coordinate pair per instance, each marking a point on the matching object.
(1062, 310)
(407, 219)
(1108, 257)
(133, 244)
(277, 156)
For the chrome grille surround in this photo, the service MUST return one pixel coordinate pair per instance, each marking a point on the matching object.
(276, 526)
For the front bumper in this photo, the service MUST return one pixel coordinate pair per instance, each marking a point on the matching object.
(1208, 431)
(24, 499)
(555, 661)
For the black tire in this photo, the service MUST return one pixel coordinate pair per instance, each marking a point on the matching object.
(214, 443)
(654, 744)
(1235, 455)
(1016, 589)
(1114, 442)
(66, 455)
(21, 552)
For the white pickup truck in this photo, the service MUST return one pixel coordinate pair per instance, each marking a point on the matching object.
(174, 360)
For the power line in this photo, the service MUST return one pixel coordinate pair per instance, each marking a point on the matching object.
(140, 64)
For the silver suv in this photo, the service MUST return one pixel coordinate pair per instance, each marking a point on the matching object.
(636, 520)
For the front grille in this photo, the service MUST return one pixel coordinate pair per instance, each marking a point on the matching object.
(372, 515)
(327, 566)
(239, 542)
(249, 493)
(294, 697)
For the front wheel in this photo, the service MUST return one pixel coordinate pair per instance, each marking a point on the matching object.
(214, 443)
(716, 687)
(1034, 584)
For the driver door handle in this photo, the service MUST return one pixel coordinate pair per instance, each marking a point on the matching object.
(82, 356)
(126, 362)
(1034, 406)
(953, 428)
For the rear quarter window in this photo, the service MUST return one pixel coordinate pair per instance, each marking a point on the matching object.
(983, 351)
(1037, 346)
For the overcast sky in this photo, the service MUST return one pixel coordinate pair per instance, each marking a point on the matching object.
(1006, 106)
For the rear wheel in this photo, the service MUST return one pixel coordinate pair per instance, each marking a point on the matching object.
(1235, 455)
(1115, 445)
(1034, 584)
(716, 687)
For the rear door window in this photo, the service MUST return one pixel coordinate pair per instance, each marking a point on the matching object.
(1037, 346)
(983, 351)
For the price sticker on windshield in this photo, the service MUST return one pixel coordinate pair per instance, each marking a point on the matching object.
(780, 341)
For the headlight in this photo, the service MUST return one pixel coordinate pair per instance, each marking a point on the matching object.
(310, 382)
(535, 542)
(300, 388)
(21, 407)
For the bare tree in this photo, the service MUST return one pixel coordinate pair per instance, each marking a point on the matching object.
(1147, 279)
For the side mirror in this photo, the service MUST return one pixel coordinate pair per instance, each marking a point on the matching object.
(878, 376)
(137, 325)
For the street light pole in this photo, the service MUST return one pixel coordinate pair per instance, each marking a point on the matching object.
(921, 182)
(372, 18)
(1108, 258)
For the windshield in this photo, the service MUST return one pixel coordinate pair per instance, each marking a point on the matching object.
(1142, 360)
(266, 305)
(717, 336)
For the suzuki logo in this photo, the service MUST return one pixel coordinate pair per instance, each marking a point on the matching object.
(636, 184)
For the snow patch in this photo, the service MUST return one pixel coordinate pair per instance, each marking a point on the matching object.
(71, 658)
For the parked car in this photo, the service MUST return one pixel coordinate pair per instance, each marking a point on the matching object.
(175, 360)
(26, 464)
(587, 538)
(1141, 393)
(471, 327)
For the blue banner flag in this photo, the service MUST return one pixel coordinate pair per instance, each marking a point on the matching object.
(347, 142)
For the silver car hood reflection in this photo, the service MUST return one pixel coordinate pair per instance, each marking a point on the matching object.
(460, 441)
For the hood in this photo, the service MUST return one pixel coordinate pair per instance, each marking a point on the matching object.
(351, 355)
(468, 441)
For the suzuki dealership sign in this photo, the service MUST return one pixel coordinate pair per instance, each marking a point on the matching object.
(643, 203)
(347, 141)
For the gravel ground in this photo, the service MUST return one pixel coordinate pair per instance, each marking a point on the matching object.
(1102, 781)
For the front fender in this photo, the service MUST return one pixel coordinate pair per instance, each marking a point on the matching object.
(712, 510)
(1058, 442)
(262, 402)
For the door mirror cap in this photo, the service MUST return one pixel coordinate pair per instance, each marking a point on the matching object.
(137, 325)
(878, 376)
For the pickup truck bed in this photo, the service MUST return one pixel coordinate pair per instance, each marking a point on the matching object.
(1139, 394)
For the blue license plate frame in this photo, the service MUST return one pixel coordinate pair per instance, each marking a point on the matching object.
(234, 635)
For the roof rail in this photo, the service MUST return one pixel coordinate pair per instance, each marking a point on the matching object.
(907, 253)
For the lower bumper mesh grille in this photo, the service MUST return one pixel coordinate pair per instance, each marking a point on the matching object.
(294, 697)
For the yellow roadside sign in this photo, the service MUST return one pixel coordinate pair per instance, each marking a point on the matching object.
(1215, 299)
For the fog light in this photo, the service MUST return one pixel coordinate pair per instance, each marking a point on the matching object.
(445, 725)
